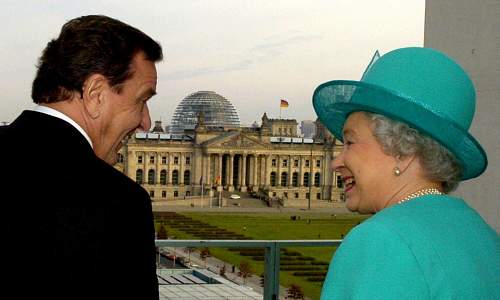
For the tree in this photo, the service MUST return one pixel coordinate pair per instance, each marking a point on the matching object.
(245, 271)
(204, 253)
(189, 250)
(222, 271)
(162, 233)
(295, 292)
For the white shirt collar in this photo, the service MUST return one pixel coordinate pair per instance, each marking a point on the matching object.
(55, 113)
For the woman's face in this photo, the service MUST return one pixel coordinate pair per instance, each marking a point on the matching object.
(366, 170)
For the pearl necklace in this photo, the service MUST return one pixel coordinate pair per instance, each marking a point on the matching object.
(428, 191)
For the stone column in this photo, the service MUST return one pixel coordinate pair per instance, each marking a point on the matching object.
(206, 170)
(202, 171)
(301, 172)
(209, 169)
(267, 171)
(227, 171)
(244, 173)
(238, 181)
(181, 169)
(169, 169)
(255, 169)
(158, 168)
(290, 175)
(146, 167)
(278, 176)
(219, 170)
(230, 187)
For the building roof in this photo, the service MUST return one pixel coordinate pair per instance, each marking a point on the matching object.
(207, 107)
(184, 284)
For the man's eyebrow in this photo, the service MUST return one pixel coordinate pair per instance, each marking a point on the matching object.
(148, 94)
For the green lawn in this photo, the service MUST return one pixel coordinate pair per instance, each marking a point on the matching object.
(278, 226)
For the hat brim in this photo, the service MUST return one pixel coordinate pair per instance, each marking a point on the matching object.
(333, 101)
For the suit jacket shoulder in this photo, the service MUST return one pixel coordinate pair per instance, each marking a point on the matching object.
(90, 225)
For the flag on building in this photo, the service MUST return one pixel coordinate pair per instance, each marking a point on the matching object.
(283, 103)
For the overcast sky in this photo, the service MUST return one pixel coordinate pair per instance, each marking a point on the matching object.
(253, 53)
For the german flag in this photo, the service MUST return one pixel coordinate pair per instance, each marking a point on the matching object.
(283, 103)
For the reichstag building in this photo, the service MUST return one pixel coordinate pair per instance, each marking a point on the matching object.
(206, 152)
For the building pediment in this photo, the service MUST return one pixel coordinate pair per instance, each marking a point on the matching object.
(234, 139)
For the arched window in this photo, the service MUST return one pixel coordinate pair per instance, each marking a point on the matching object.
(317, 179)
(284, 177)
(306, 179)
(187, 177)
(163, 177)
(138, 176)
(273, 179)
(151, 176)
(295, 179)
(175, 177)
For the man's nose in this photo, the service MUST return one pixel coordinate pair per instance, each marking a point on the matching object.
(146, 119)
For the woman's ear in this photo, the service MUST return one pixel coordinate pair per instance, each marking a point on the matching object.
(404, 162)
(93, 96)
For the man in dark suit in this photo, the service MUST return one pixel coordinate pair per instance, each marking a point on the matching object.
(75, 227)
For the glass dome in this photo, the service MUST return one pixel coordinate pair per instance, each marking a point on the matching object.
(217, 112)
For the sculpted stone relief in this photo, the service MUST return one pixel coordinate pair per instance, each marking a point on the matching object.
(240, 142)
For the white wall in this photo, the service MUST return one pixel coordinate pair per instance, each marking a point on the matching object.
(469, 31)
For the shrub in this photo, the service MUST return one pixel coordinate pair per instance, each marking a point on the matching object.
(316, 279)
(299, 268)
(304, 258)
(319, 263)
(309, 273)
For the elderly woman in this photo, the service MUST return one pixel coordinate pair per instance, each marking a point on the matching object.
(406, 146)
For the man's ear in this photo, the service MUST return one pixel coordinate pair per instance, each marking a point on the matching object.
(94, 91)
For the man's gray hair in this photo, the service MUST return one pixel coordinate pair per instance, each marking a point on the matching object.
(398, 139)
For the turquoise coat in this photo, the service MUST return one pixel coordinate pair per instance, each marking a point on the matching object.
(431, 247)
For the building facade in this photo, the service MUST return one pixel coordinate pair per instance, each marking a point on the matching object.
(205, 160)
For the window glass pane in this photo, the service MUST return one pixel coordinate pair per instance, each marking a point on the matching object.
(151, 176)
(163, 177)
(138, 176)
(175, 177)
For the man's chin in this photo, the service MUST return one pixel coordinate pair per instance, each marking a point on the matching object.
(110, 158)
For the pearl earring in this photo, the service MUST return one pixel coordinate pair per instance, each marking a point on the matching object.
(396, 171)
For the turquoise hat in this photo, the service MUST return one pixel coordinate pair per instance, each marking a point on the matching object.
(421, 87)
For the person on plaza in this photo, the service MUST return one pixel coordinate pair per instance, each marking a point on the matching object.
(75, 227)
(406, 146)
